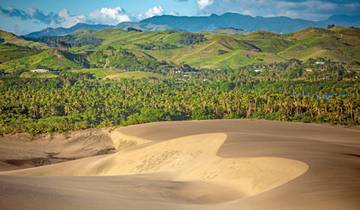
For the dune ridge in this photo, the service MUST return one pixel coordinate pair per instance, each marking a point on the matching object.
(191, 158)
(222, 164)
(122, 141)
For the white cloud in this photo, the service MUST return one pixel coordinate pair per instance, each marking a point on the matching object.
(153, 11)
(110, 16)
(204, 3)
(68, 20)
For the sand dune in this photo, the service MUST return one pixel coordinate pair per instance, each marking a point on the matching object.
(191, 158)
(24, 151)
(235, 164)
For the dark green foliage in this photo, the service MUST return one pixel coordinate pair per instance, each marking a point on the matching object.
(124, 59)
(77, 101)
(68, 41)
(9, 52)
(192, 38)
(133, 29)
(330, 26)
(222, 52)
(159, 46)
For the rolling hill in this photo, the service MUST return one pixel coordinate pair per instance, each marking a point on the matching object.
(17, 53)
(159, 51)
(12, 39)
(228, 50)
(50, 58)
(13, 47)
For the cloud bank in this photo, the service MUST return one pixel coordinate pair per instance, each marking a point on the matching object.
(64, 18)
(111, 16)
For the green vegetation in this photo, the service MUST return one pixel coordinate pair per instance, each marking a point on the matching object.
(47, 75)
(288, 91)
(96, 73)
(10, 52)
(160, 52)
(9, 38)
(135, 75)
(51, 58)
(117, 74)
(115, 77)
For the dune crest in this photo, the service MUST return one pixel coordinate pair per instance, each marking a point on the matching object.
(186, 159)
(122, 141)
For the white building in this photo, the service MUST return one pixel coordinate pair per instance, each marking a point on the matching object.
(40, 71)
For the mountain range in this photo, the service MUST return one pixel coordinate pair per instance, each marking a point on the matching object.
(65, 31)
(213, 22)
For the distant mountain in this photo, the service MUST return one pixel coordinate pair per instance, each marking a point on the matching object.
(213, 22)
(343, 20)
(248, 23)
(143, 26)
(65, 31)
(229, 30)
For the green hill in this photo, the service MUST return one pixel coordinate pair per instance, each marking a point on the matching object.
(17, 53)
(342, 44)
(159, 51)
(50, 58)
(222, 50)
(13, 47)
(9, 38)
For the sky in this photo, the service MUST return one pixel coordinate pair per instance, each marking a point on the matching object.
(25, 16)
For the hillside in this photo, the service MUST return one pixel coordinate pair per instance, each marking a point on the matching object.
(161, 51)
(228, 50)
(18, 54)
(9, 38)
(50, 58)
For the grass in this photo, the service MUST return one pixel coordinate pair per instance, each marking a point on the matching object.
(135, 75)
(13, 39)
(49, 58)
(47, 75)
(117, 74)
(10, 52)
(98, 73)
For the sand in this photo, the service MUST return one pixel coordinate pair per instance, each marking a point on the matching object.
(24, 151)
(223, 164)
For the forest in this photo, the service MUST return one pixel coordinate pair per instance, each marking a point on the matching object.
(285, 91)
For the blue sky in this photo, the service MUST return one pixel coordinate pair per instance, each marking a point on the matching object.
(24, 16)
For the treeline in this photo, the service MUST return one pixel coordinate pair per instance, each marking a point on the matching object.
(72, 102)
(157, 46)
(68, 41)
(192, 38)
